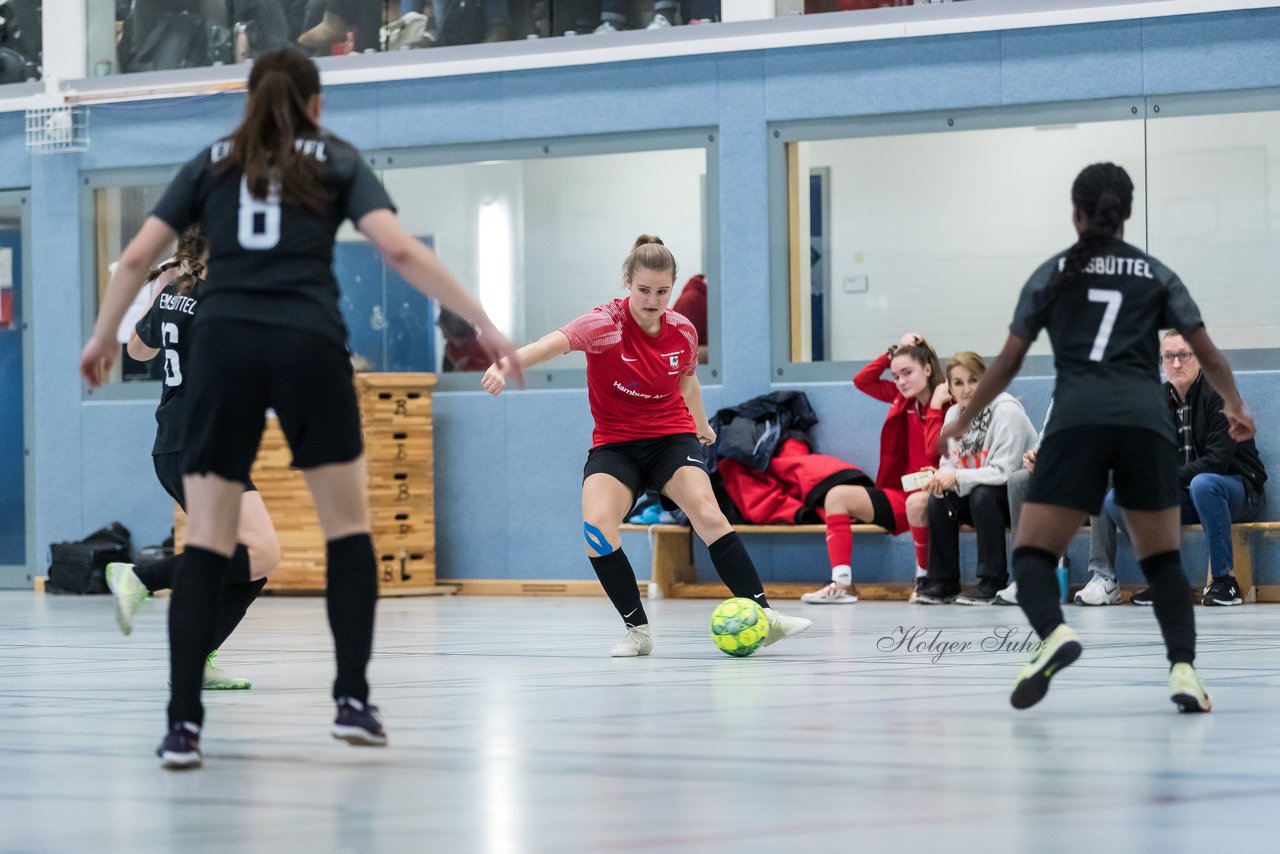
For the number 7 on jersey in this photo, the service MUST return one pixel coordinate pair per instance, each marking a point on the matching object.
(1112, 300)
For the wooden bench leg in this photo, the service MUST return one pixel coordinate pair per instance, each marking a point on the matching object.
(1242, 557)
(672, 560)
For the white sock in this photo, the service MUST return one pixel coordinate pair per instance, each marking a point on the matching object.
(921, 572)
(842, 575)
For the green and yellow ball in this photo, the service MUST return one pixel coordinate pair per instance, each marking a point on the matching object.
(739, 626)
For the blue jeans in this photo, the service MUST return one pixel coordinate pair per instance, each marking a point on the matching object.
(1215, 501)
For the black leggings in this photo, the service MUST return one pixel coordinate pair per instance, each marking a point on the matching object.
(986, 508)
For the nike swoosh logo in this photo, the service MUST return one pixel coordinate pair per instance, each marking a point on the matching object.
(757, 596)
(692, 460)
(633, 610)
(626, 359)
(672, 373)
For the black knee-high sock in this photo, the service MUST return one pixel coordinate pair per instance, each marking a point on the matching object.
(734, 566)
(236, 599)
(1033, 569)
(158, 575)
(619, 582)
(1171, 600)
(193, 619)
(352, 599)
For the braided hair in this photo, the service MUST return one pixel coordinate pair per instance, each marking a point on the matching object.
(1103, 192)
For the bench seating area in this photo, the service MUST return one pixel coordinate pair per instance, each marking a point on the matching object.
(672, 574)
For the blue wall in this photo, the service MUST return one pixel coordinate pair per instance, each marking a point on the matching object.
(508, 469)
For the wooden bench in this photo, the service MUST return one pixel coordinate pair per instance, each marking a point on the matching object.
(672, 573)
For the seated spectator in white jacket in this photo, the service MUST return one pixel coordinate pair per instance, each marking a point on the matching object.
(969, 489)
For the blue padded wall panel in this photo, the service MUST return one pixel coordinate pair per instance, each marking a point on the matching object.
(1071, 63)
(1203, 53)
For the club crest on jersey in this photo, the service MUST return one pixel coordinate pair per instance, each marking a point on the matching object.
(675, 361)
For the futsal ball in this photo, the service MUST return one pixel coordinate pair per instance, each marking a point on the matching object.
(739, 626)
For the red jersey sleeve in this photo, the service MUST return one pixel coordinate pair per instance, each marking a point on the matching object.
(932, 431)
(593, 333)
(868, 380)
(690, 333)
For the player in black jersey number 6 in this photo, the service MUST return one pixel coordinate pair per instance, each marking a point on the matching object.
(1103, 303)
(269, 335)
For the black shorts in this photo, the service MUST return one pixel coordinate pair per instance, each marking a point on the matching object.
(1072, 467)
(240, 370)
(646, 463)
(169, 473)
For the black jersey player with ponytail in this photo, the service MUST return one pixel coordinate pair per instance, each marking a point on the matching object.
(269, 335)
(1103, 303)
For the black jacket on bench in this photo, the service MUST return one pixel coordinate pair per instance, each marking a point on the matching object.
(1216, 451)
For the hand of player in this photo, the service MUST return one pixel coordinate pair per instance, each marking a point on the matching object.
(950, 433)
(494, 380)
(911, 339)
(497, 347)
(1029, 460)
(97, 358)
(1240, 424)
(944, 480)
(941, 396)
(706, 435)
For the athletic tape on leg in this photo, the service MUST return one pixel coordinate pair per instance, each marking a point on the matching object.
(596, 539)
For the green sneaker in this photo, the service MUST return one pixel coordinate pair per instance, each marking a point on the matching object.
(216, 679)
(1187, 691)
(129, 592)
(1059, 650)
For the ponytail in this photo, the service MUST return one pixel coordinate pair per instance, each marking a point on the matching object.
(1104, 193)
(275, 116)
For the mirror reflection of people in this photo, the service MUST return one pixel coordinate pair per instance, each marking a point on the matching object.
(462, 350)
(692, 304)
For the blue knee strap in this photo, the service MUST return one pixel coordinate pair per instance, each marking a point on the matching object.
(596, 539)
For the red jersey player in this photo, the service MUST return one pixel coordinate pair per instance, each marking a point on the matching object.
(642, 385)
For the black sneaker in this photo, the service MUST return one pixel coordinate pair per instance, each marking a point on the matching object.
(180, 749)
(1223, 591)
(358, 723)
(983, 594)
(938, 591)
(915, 591)
(1141, 598)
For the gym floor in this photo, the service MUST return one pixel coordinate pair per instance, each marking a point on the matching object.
(512, 730)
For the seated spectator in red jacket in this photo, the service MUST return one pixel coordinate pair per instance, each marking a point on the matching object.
(462, 350)
(918, 398)
(692, 303)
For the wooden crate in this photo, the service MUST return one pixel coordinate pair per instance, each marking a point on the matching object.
(395, 413)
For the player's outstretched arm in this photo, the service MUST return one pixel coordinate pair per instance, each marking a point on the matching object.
(547, 347)
(421, 267)
(1217, 370)
(135, 262)
(994, 381)
(691, 391)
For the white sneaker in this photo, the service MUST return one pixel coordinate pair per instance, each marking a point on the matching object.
(781, 626)
(639, 641)
(129, 592)
(1099, 591)
(834, 593)
(1007, 596)
(659, 22)
(606, 27)
(217, 679)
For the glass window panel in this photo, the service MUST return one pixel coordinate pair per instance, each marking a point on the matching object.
(935, 232)
(542, 241)
(1215, 218)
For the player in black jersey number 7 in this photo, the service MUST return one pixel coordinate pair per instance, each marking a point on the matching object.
(269, 335)
(1103, 303)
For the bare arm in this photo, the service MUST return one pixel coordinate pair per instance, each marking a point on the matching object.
(994, 381)
(135, 262)
(545, 348)
(691, 391)
(1218, 372)
(420, 267)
